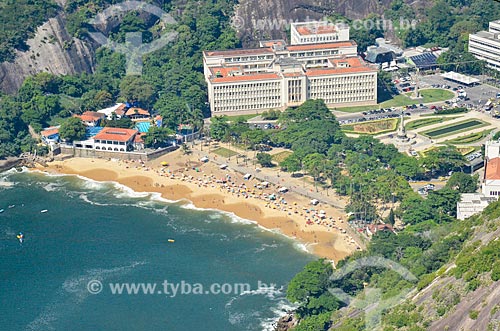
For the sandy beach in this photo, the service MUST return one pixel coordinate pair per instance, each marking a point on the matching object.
(321, 227)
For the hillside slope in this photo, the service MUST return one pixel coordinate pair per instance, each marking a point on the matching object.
(52, 50)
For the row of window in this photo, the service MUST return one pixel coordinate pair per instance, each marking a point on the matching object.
(247, 86)
(341, 86)
(227, 102)
(246, 107)
(111, 149)
(347, 100)
(109, 142)
(248, 58)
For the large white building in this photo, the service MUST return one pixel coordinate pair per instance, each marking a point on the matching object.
(474, 203)
(485, 45)
(276, 76)
(317, 32)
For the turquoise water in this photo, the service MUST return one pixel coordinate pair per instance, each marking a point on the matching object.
(105, 232)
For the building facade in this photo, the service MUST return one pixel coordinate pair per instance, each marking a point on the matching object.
(485, 45)
(276, 76)
(474, 203)
(317, 32)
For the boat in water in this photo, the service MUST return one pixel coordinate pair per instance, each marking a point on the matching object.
(20, 237)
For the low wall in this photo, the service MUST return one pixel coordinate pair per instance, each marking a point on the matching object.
(92, 153)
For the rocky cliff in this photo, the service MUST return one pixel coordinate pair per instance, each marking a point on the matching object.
(258, 20)
(51, 50)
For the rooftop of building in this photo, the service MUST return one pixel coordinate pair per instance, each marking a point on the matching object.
(342, 66)
(487, 35)
(322, 46)
(268, 50)
(90, 116)
(271, 43)
(245, 77)
(492, 171)
(240, 51)
(115, 134)
(47, 132)
(136, 111)
(314, 28)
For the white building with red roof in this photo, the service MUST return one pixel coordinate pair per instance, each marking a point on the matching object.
(277, 76)
(317, 32)
(474, 203)
(115, 139)
(91, 118)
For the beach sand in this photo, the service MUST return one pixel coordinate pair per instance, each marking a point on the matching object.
(323, 235)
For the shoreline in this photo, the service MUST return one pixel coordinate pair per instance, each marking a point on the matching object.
(321, 235)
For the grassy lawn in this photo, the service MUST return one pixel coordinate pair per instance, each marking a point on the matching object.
(469, 139)
(447, 130)
(279, 157)
(372, 127)
(427, 121)
(224, 152)
(429, 95)
(435, 95)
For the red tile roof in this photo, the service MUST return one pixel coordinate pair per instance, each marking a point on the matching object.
(224, 71)
(120, 110)
(90, 116)
(342, 66)
(293, 74)
(492, 169)
(136, 111)
(321, 29)
(115, 134)
(49, 132)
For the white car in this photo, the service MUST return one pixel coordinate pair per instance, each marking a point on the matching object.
(204, 159)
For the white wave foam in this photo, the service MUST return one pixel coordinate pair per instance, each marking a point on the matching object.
(279, 310)
(74, 292)
(50, 187)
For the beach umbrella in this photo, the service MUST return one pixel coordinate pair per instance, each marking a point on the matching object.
(164, 163)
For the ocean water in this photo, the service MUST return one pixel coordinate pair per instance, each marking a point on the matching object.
(102, 232)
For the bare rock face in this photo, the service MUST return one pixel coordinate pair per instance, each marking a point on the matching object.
(51, 50)
(260, 20)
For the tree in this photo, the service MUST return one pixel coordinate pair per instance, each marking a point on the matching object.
(136, 89)
(218, 127)
(157, 137)
(265, 159)
(462, 182)
(291, 163)
(72, 129)
(390, 218)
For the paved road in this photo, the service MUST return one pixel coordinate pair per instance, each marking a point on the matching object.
(279, 180)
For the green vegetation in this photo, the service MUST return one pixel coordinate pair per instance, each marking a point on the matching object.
(372, 127)
(470, 138)
(448, 111)
(172, 82)
(454, 129)
(434, 95)
(429, 95)
(224, 152)
(72, 129)
(447, 23)
(281, 156)
(427, 121)
(271, 114)
(265, 160)
(20, 18)
(158, 137)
